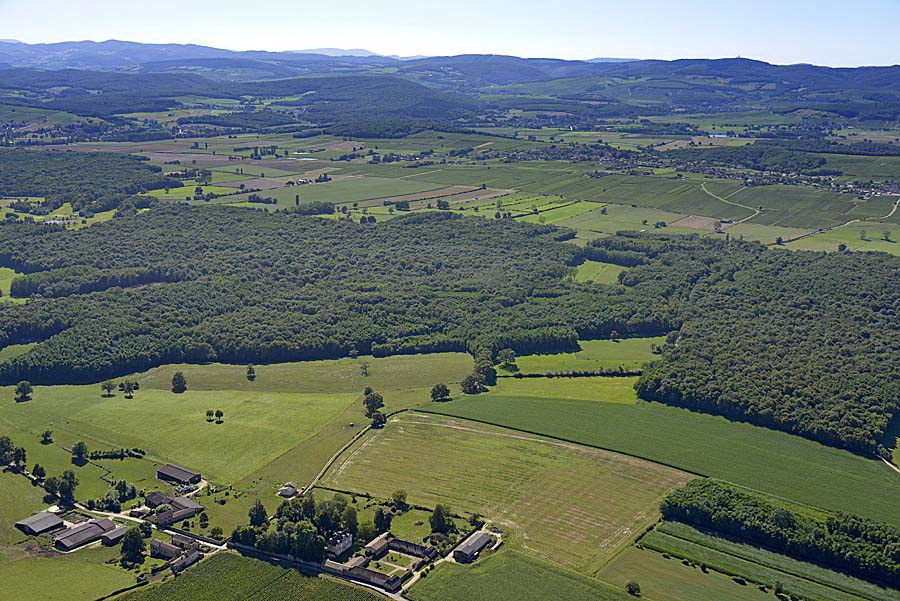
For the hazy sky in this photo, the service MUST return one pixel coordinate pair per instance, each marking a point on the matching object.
(831, 32)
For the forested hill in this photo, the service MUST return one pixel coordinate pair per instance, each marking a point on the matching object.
(246, 286)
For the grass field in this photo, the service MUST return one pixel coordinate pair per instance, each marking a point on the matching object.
(507, 575)
(326, 376)
(863, 235)
(18, 499)
(630, 353)
(257, 428)
(773, 462)
(664, 579)
(230, 576)
(757, 565)
(599, 500)
(595, 388)
(81, 576)
(600, 273)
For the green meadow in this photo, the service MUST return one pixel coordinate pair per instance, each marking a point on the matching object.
(629, 353)
(599, 273)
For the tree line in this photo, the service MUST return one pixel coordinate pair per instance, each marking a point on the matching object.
(857, 546)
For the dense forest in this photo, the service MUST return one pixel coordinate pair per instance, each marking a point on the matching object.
(246, 286)
(855, 545)
(799, 341)
(76, 177)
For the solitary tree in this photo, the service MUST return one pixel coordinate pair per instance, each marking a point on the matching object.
(46, 436)
(128, 386)
(440, 392)
(633, 588)
(38, 471)
(399, 498)
(209, 415)
(23, 391)
(440, 520)
(133, 546)
(67, 484)
(258, 515)
(179, 383)
(350, 520)
(80, 451)
(383, 520)
(886, 236)
(108, 388)
(216, 532)
(251, 373)
(19, 456)
(219, 414)
(373, 402)
(7, 448)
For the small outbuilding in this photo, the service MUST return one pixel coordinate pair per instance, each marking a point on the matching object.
(155, 499)
(175, 473)
(114, 537)
(40, 523)
(469, 549)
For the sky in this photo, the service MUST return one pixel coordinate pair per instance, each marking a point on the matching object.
(826, 32)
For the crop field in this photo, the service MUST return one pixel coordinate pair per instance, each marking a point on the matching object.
(759, 566)
(767, 234)
(512, 479)
(230, 576)
(507, 575)
(600, 273)
(664, 579)
(616, 218)
(630, 353)
(346, 190)
(82, 576)
(773, 462)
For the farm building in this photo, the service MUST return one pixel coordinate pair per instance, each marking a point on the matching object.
(378, 546)
(185, 503)
(470, 548)
(338, 543)
(185, 560)
(83, 534)
(176, 473)
(388, 583)
(113, 537)
(172, 516)
(163, 549)
(155, 499)
(410, 548)
(288, 490)
(40, 523)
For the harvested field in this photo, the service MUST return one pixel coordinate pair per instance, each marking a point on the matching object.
(696, 222)
(599, 500)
